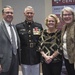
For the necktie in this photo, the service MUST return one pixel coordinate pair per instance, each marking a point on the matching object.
(13, 41)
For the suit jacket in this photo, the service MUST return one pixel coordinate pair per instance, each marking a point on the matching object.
(6, 48)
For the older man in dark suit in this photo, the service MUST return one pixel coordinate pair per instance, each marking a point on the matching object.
(9, 44)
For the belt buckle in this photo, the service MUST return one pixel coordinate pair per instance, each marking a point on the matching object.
(31, 45)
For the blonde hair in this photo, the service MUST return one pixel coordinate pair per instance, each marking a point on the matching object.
(54, 16)
(69, 9)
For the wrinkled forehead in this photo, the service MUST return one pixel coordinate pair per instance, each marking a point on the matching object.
(29, 9)
(67, 11)
(8, 9)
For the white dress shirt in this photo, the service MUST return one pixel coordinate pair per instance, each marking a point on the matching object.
(9, 32)
(65, 46)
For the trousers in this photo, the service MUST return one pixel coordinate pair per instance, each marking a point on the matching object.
(31, 69)
(14, 67)
(69, 67)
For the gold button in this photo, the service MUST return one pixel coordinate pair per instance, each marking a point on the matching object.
(29, 31)
(29, 35)
(29, 26)
(29, 40)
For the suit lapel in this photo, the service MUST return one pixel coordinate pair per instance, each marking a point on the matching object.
(5, 31)
(7, 35)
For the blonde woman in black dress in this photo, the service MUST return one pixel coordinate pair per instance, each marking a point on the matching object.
(50, 49)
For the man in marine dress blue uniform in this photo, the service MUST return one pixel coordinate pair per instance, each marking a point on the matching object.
(29, 33)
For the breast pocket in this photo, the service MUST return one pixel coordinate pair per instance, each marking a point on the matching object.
(23, 34)
(22, 31)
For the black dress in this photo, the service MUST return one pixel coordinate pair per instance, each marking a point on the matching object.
(49, 43)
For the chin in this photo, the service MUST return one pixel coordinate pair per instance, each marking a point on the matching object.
(68, 22)
(51, 27)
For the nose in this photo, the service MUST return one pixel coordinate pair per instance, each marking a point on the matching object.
(29, 14)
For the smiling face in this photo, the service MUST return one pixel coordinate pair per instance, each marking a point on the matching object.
(8, 14)
(29, 14)
(51, 23)
(68, 17)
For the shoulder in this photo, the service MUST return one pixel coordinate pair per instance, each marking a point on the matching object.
(38, 25)
(1, 23)
(19, 25)
(58, 33)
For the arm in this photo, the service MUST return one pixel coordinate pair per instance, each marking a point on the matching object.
(55, 54)
(59, 46)
(48, 59)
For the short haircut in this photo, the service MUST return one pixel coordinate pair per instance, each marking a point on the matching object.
(28, 7)
(7, 6)
(55, 17)
(67, 9)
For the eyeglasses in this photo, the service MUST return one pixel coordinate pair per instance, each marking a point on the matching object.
(67, 14)
(8, 12)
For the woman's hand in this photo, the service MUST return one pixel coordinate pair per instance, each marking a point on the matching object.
(48, 59)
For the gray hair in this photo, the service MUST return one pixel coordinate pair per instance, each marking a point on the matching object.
(7, 6)
(29, 7)
(67, 9)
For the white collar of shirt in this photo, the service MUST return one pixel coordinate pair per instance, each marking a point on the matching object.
(8, 28)
(6, 23)
(9, 32)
